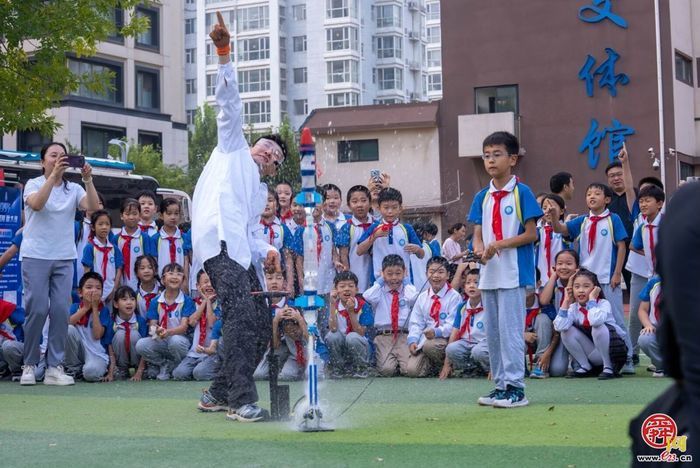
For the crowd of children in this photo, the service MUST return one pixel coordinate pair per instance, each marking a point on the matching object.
(539, 293)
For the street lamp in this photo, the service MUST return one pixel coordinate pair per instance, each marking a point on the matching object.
(123, 147)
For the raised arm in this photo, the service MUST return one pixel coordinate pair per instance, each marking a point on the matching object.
(630, 195)
(229, 120)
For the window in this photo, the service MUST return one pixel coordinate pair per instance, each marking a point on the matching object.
(154, 139)
(283, 14)
(251, 81)
(299, 12)
(684, 69)
(283, 81)
(390, 78)
(299, 75)
(210, 51)
(283, 50)
(299, 43)
(341, 38)
(388, 46)
(254, 49)
(147, 89)
(343, 99)
(190, 26)
(150, 37)
(257, 17)
(191, 86)
(256, 112)
(686, 170)
(358, 150)
(342, 71)
(113, 95)
(301, 107)
(388, 16)
(190, 55)
(31, 140)
(94, 139)
(435, 58)
(211, 84)
(435, 82)
(117, 18)
(496, 99)
(433, 11)
(283, 110)
(190, 116)
(341, 8)
(387, 101)
(434, 34)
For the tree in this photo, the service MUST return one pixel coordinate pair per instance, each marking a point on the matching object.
(202, 141)
(149, 161)
(35, 37)
(289, 171)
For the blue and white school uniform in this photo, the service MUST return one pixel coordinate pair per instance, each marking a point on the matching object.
(400, 235)
(123, 335)
(646, 238)
(144, 299)
(349, 236)
(149, 230)
(326, 268)
(84, 352)
(380, 298)
(435, 248)
(277, 235)
(549, 244)
(170, 248)
(105, 259)
(132, 246)
(429, 306)
(505, 277)
(347, 347)
(472, 346)
(419, 266)
(181, 308)
(339, 221)
(649, 342)
(200, 366)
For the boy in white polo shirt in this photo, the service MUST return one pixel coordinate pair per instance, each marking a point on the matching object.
(600, 238)
(358, 200)
(505, 217)
(387, 235)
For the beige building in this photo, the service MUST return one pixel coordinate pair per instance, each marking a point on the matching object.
(147, 105)
(399, 139)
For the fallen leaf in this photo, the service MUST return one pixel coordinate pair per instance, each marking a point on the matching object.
(551, 408)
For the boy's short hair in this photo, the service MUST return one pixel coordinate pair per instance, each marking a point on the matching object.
(506, 139)
(357, 188)
(651, 180)
(654, 192)
(393, 260)
(558, 181)
(431, 228)
(275, 272)
(327, 188)
(167, 203)
(277, 139)
(442, 261)
(613, 165)
(129, 203)
(88, 276)
(389, 194)
(607, 191)
(148, 194)
(473, 271)
(345, 276)
(419, 227)
(556, 199)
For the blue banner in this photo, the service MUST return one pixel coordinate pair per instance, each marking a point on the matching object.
(10, 222)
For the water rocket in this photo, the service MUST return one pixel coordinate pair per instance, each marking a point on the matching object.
(310, 302)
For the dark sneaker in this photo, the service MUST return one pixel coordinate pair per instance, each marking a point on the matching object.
(513, 397)
(209, 404)
(607, 374)
(248, 413)
(489, 399)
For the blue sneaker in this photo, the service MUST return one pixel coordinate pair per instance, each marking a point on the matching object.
(538, 373)
(489, 399)
(513, 397)
(248, 413)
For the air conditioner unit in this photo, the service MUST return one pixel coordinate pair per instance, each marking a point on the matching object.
(414, 36)
(414, 6)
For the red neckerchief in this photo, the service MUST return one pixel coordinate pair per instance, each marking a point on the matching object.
(435, 308)
(86, 318)
(269, 230)
(127, 338)
(496, 219)
(360, 303)
(167, 309)
(148, 297)
(144, 227)
(593, 230)
(301, 359)
(651, 244)
(548, 245)
(126, 253)
(657, 308)
(105, 256)
(586, 324)
(395, 313)
(466, 325)
(286, 216)
(319, 241)
(530, 318)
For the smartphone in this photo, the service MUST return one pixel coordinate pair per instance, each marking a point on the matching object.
(376, 175)
(75, 160)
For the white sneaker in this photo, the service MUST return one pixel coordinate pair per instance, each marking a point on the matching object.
(658, 373)
(56, 376)
(28, 377)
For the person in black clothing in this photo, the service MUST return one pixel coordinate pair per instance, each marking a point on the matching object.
(678, 264)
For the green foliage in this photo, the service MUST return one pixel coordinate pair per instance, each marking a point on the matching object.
(202, 141)
(35, 37)
(289, 171)
(149, 161)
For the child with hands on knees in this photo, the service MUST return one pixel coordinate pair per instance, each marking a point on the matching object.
(85, 352)
(431, 320)
(350, 320)
(467, 348)
(126, 327)
(588, 329)
(167, 321)
(102, 255)
(149, 286)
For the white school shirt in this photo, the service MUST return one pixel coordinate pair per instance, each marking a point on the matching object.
(556, 246)
(477, 323)
(379, 297)
(599, 312)
(138, 246)
(112, 264)
(262, 232)
(600, 260)
(90, 344)
(49, 234)
(338, 221)
(141, 298)
(421, 319)
(418, 268)
(195, 338)
(161, 244)
(400, 239)
(152, 228)
(645, 227)
(653, 297)
(174, 317)
(635, 262)
(228, 197)
(361, 265)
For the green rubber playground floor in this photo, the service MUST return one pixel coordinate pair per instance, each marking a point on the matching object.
(396, 422)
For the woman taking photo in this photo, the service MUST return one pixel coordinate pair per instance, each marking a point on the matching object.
(47, 254)
(451, 249)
